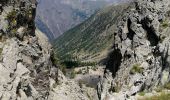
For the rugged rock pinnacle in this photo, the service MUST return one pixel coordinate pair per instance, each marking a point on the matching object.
(140, 57)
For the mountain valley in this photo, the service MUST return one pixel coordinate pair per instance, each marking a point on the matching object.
(119, 52)
(92, 40)
(54, 17)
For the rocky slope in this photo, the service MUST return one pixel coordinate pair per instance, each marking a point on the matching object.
(139, 60)
(54, 17)
(27, 69)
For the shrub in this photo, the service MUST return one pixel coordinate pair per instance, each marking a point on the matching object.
(94, 68)
(167, 86)
(81, 84)
(116, 88)
(1, 49)
(11, 15)
(165, 23)
(79, 72)
(162, 96)
(136, 69)
(162, 38)
(159, 89)
(14, 31)
(72, 74)
(56, 62)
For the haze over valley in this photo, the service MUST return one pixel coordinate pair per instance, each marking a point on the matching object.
(54, 17)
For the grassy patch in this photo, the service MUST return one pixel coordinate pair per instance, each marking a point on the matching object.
(167, 86)
(159, 89)
(56, 62)
(165, 23)
(162, 96)
(11, 15)
(136, 69)
(72, 74)
(116, 88)
(162, 38)
(141, 93)
(164, 87)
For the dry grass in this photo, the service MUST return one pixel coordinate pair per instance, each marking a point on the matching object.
(136, 69)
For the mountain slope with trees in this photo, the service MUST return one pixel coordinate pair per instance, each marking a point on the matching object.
(54, 17)
(91, 40)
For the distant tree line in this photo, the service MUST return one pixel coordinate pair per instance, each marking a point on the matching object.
(71, 64)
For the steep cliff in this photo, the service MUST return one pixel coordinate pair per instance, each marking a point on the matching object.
(28, 69)
(25, 64)
(139, 60)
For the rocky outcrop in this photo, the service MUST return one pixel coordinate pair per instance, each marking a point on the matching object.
(139, 60)
(27, 68)
(25, 54)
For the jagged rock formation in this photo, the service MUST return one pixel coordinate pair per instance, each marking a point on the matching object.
(139, 60)
(25, 54)
(27, 71)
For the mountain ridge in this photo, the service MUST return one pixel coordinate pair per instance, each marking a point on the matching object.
(87, 39)
(61, 15)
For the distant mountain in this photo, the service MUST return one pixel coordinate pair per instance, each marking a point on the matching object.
(44, 28)
(91, 40)
(54, 17)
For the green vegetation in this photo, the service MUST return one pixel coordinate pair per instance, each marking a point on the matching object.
(56, 62)
(141, 93)
(116, 88)
(165, 23)
(12, 20)
(167, 86)
(72, 74)
(164, 87)
(71, 64)
(89, 39)
(11, 16)
(94, 68)
(136, 69)
(1, 49)
(159, 89)
(162, 96)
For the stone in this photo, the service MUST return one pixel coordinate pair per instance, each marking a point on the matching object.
(20, 32)
(144, 51)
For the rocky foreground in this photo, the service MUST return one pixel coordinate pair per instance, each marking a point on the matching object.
(27, 71)
(140, 57)
(139, 60)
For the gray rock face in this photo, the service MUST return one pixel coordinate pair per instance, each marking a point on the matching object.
(27, 69)
(25, 62)
(140, 57)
